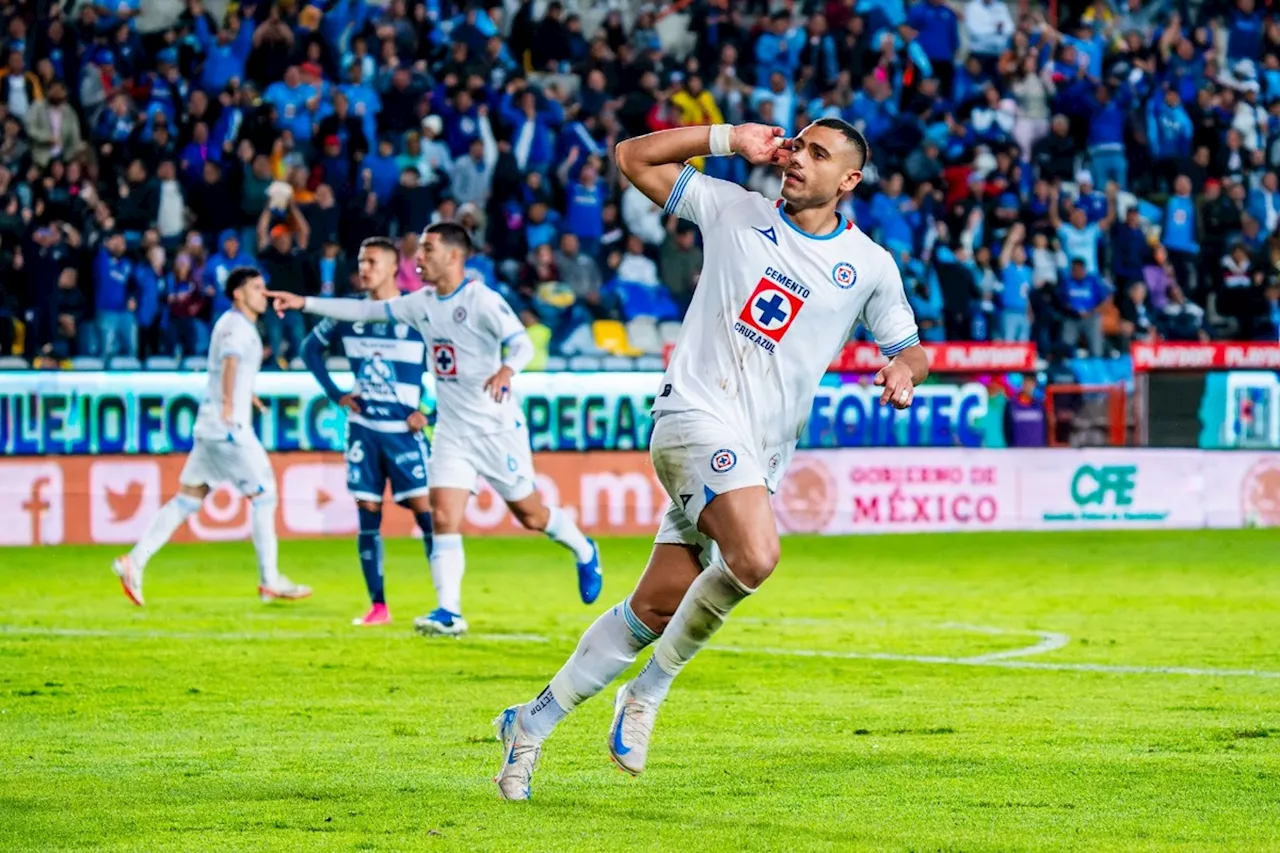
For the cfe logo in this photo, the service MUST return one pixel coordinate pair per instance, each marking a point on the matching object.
(1093, 486)
(31, 503)
(123, 497)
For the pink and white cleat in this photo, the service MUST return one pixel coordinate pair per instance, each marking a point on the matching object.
(377, 615)
(283, 589)
(130, 575)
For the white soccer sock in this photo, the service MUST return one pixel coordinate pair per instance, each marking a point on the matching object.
(162, 527)
(265, 543)
(448, 564)
(605, 651)
(561, 529)
(701, 613)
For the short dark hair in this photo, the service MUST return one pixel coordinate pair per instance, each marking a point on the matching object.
(239, 277)
(384, 243)
(852, 134)
(453, 235)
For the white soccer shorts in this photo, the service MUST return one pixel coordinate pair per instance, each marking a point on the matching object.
(696, 457)
(244, 464)
(502, 458)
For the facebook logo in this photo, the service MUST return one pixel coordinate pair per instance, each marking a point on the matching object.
(31, 501)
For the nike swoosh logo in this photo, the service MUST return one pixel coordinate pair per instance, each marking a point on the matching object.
(511, 757)
(618, 748)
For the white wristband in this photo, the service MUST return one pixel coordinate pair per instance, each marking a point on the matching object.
(721, 140)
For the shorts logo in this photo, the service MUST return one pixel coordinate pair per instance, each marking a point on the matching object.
(459, 315)
(723, 460)
(844, 275)
(442, 356)
(774, 461)
(768, 314)
(512, 465)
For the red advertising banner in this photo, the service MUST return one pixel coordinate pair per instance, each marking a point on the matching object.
(1257, 355)
(111, 499)
(943, 358)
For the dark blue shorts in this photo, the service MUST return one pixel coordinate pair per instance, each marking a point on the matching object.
(375, 457)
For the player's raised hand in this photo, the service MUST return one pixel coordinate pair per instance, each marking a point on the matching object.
(899, 390)
(498, 385)
(760, 144)
(350, 402)
(282, 301)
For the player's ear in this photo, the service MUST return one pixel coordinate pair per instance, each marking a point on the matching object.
(851, 179)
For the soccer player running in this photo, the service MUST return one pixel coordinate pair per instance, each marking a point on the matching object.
(476, 347)
(226, 448)
(385, 439)
(782, 287)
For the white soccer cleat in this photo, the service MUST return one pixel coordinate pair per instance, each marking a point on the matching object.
(130, 574)
(283, 590)
(519, 756)
(632, 727)
(440, 623)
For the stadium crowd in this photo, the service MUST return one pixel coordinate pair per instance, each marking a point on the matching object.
(1109, 180)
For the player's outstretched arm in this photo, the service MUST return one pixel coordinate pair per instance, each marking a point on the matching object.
(653, 162)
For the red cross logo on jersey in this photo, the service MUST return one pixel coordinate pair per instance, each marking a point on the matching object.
(771, 309)
(446, 363)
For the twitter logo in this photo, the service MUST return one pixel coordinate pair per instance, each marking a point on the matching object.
(123, 496)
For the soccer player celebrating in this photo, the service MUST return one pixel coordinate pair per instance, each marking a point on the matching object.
(226, 448)
(477, 346)
(385, 438)
(782, 287)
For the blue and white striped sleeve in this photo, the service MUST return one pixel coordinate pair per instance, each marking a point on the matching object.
(701, 199)
(888, 315)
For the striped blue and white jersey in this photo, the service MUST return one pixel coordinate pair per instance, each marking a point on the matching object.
(388, 361)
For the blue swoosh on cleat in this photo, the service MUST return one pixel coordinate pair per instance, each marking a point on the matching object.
(618, 748)
(511, 756)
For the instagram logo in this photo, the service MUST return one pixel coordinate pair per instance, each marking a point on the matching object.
(224, 516)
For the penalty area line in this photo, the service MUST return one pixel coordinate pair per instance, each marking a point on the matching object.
(1004, 663)
(232, 636)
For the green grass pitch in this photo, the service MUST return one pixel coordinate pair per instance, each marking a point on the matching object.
(865, 699)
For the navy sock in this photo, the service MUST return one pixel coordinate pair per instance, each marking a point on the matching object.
(370, 544)
(424, 522)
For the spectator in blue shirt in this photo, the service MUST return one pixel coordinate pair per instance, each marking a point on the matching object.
(364, 100)
(777, 50)
(383, 171)
(584, 215)
(1014, 287)
(115, 299)
(217, 268)
(226, 53)
(1128, 250)
(1244, 32)
(1083, 294)
(937, 29)
(296, 104)
(1106, 137)
(1169, 131)
(1079, 237)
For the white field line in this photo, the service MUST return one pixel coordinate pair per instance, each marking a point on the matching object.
(232, 636)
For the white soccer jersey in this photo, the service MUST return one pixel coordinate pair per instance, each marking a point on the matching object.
(233, 335)
(465, 333)
(772, 308)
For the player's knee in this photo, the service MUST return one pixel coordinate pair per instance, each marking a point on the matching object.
(753, 560)
(445, 521)
(654, 614)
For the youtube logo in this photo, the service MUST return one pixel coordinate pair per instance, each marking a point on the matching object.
(314, 500)
(123, 497)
